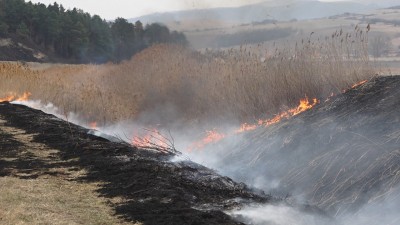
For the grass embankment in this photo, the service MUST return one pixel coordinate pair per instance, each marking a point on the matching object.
(243, 84)
(38, 187)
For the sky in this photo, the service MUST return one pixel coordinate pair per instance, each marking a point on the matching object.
(111, 9)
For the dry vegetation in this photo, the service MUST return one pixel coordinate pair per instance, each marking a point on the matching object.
(52, 201)
(243, 84)
(55, 195)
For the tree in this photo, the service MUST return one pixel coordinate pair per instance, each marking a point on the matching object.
(14, 13)
(52, 30)
(79, 41)
(78, 36)
(178, 38)
(156, 33)
(100, 40)
(139, 34)
(139, 31)
(3, 29)
(22, 30)
(3, 26)
(123, 34)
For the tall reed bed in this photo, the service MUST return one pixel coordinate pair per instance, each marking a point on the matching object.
(166, 83)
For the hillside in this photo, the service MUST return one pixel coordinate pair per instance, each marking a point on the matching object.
(342, 155)
(268, 10)
(72, 35)
(140, 186)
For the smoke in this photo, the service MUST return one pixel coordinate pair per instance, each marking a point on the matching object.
(249, 165)
(278, 215)
(383, 213)
(50, 108)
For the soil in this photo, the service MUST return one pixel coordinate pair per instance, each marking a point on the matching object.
(152, 188)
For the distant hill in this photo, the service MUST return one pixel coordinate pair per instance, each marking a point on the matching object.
(31, 32)
(282, 10)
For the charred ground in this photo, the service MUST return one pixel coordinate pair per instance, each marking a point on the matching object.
(340, 155)
(154, 190)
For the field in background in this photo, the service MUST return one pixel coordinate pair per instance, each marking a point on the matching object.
(384, 25)
(166, 83)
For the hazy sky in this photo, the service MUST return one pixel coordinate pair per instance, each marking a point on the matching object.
(110, 9)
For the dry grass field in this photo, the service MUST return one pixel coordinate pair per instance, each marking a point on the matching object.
(175, 83)
(32, 193)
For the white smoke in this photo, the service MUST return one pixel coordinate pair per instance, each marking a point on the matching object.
(384, 212)
(278, 215)
(50, 108)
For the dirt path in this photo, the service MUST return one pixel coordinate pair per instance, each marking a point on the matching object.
(38, 187)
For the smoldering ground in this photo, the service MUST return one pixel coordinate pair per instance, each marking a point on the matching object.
(277, 159)
(341, 157)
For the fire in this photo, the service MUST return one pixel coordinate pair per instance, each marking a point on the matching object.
(13, 97)
(212, 136)
(304, 105)
(152, 139)
(246, 127)
(7, 99)
(93, 125)
(359, 83)
(355, 85)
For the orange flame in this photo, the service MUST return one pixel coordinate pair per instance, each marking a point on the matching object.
(355, 85)
(212, 136)
(304, 105)
(93, 125)
(151, 139)
(246, 127)
(13, 97)
(359, 83)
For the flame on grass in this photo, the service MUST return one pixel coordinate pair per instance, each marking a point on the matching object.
(152, 139)
(304, 105)
(359, 84)
(355, 85)
(214, 136)
(93, 125)
(14, 97)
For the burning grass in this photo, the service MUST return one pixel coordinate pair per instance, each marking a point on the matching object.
(168, 83)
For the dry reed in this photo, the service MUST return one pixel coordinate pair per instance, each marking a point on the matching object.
(168, 80)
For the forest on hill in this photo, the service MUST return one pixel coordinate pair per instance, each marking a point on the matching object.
(77, 36)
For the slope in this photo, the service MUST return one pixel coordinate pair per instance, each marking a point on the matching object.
(340, 155)
(140, 185)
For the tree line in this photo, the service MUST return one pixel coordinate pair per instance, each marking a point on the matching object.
(78, 36)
